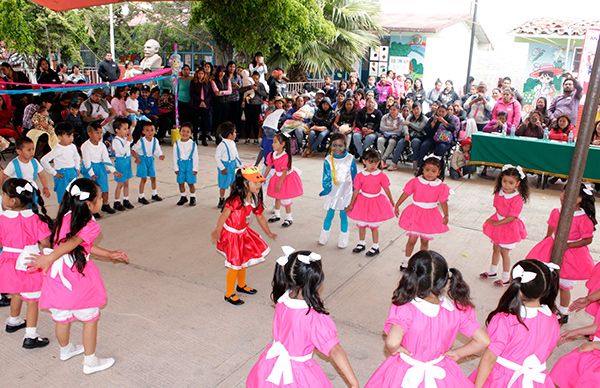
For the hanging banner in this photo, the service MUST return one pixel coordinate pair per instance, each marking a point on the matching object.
(407, 54)
(592, 36)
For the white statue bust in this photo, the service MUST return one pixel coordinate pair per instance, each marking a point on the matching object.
(151, 60)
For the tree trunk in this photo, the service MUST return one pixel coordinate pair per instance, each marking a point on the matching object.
(296, 73)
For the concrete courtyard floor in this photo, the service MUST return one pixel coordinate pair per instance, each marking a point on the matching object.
(166, 322)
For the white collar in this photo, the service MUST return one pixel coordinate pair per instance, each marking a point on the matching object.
(297, 304)
(277, 156)
(376, 172)
(434, 183)
(579, 212)
(508, 196)
(432, 309)
(13, 214)
(532, 312)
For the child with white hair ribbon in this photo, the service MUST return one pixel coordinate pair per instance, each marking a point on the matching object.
(73, 289)
(523, 330)
(24, 229)
(577, 263)
(505, 228)
(301, 324)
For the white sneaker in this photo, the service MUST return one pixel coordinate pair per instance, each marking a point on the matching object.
(324, 237)
(97, 365)
(73, 351)
(343, 240)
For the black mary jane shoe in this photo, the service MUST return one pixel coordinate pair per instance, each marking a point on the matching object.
(235, 302)
(4, 301)
(287, 223)
(273, 219)
(403, 267)
(359, 248)
(182, 201)
(12, 329)
(372, 252)
(33, 343)
(563, 319)
(246, 290)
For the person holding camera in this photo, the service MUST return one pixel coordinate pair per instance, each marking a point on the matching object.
(479, 107)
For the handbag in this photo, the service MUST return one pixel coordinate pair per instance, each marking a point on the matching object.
(443, 135)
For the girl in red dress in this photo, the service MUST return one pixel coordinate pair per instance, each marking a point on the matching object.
(242, 246)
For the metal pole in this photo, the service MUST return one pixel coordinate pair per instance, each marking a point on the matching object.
(578, 163)
(473, 22)
(112, 31)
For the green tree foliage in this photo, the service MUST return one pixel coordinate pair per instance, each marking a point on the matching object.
(263, 25)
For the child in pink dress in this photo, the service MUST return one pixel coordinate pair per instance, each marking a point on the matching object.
(577, 262)
(581, 367)
(285, 184)
(73, 289)
(300, 325)
(422, 219)
(423, 324)
(23, 225)
(523, 330)
(505, 227)
(371, 202)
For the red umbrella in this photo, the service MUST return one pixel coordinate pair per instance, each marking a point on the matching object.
(63, 5)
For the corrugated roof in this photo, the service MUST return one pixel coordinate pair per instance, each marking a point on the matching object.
(556, 27)
(419, 23)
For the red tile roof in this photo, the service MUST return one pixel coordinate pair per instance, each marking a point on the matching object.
(419, 23)
(556, 27)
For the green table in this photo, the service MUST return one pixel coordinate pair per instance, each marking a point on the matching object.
(533, 155)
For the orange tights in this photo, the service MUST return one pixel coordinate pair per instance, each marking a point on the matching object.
(232, 276)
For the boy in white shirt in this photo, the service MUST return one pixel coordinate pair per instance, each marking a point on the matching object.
(185, 164)
(66, 160)
(121, 144)
(24, 166)
(147, 149)
(228, 159)
(97, 164)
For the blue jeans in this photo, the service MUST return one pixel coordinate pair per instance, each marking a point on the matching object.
(415, 145)
(316, 139)
(398, 150)
(362, 143)
(299, 134)
(439, 149)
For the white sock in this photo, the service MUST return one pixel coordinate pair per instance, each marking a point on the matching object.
(288, 216)
(493, 269)
(31, 332)
(14, 321)
(505, 276)
(361, 242)
(89, 360)
(125, 198)
(563, 310)
(183, 195)
(192, 195)
(277, 213)
(154, 192)
(118, 199)
(405, 261)
(375, 246)
(141, 195)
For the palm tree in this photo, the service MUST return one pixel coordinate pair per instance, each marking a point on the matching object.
(356, 30)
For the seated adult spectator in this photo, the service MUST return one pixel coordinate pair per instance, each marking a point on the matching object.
(416, 129)
(96, 108)
(497, 125)
(509, 105)
(359, 99)
(44, 73)
(496, 95)
(441, 131)
(76, 75)
(596, 135)
(329, 88)
(42, 132)
(507, 83)
(532, 126)
(338, 104)
(561, 129)
(371, 86)
(418, 91)
(385, 107)
(434, 94)
(568, 102)
(63, 76)
(384, 89)
(448, 95)
(60, 107)
(479, 107)
(44, 100)
(393, 134)
(458, 111)
(297, 119)
(19, 101)
(433, 107)
(541, 106)
(344, 119)
(7, 130)
(118, 101)
(166, 114)
(320, 126)
(366, 127)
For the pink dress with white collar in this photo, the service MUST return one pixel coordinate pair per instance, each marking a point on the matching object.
(577, 262)
(18, 230)
(422, 218)
(288, 360)
(506, 235)
(518, 346)
(64, 287)
(372, 206)
(429, 332)
(579, 369)
(291, 186)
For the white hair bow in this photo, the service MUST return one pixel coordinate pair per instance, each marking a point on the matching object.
(432, 156)
(552, 267)
(518, 168)
(588, 188)
(27, 187)
(526, 276)
(306, 259)
(76, 192)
